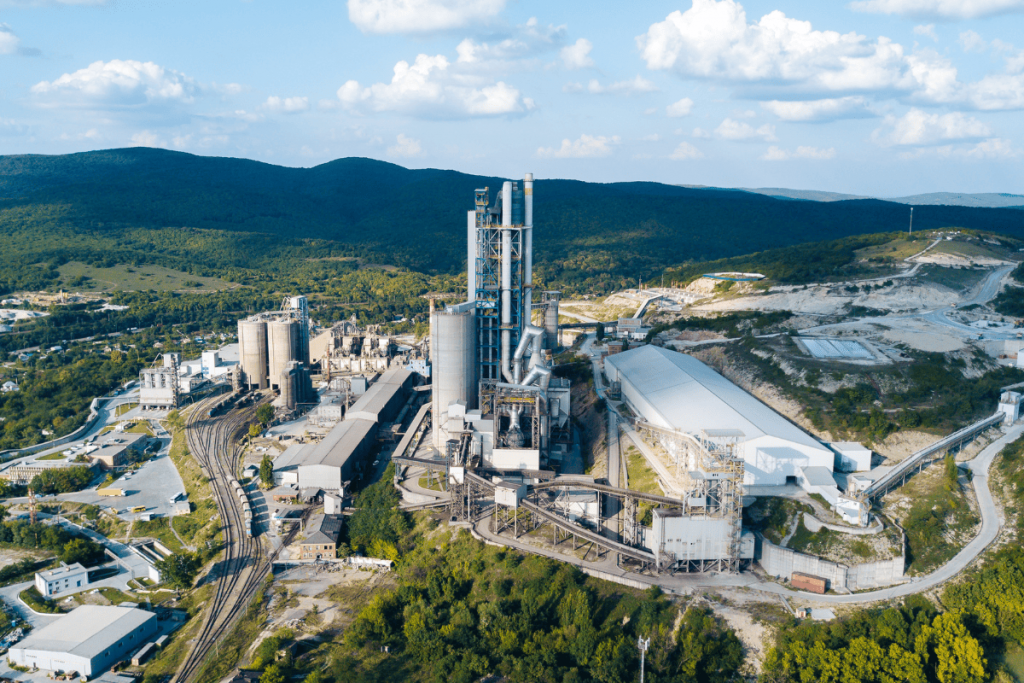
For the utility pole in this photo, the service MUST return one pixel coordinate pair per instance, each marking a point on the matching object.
(643, 645)
(911, 221)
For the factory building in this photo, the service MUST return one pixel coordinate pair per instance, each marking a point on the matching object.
(675, 391)
(347, 349)
(22, 472)
(384, 399)
(677, 538)
(494, 400)
(159, 387)
(116, 449)
(88, 640)
(67, 578)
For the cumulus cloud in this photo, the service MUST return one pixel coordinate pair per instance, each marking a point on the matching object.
(830, 109)
(419, 16)
(927, 30)
(685, 151)
(917, 128)
(286, 105)
(525, 41)
(730, 129)
(680, 108)
(803, 152)
(405, 147)
(586, 146)
(430, 88)
(939, 9)
(9, 41)
(633, 86)
(993, 148)
(970, 41)
(577, 55)
(117, 83)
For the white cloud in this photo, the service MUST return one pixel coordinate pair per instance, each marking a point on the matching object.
(819, 110)
(9, 41)
(680, 108)
(927, 30)
(803, 152)
(653, 137)
(730, 129)
(148, 139)
(633, 86)
(993, 148)
(939, 9)
(577, 55)
(429, 88)
(701, 133)
(685, 151)
(970, 41)
(287, 105)
(117, 83)
(586, 146)
(405, 147)
(525, 41)
(420, 16)
(917, 127)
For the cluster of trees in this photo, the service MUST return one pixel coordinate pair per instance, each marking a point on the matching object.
(179, 570)
(913, 644)
(63, 480)
(55, 394)
(378, 526)
(68, 546)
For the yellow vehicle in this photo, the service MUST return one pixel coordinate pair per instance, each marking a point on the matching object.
(139, 508)
(110, 492)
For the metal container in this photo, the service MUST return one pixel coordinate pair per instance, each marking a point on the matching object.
(252, 350)
(453, 356)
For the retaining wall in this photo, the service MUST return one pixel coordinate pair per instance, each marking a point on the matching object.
(782, 562)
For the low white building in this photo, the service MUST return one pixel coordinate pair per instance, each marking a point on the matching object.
(1009, 405)
(851, 456)
(694, 538)
(88, 640)
(67, 578)
(9, 386)
(676, 391)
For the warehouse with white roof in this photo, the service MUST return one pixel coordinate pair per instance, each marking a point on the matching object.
(88, 640)
(679, 392)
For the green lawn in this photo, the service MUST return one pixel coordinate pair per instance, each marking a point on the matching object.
(52, 456)
(641, 476)
(125, 278)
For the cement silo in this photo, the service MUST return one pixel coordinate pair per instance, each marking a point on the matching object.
(282, 346)
(290, 386)
(453, 359)
(252, 351)
(551, 319)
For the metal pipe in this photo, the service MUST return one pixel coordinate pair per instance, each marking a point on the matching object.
(506, 204)
(529, 332)
(470, 256)
(506, 291)
(528, 248)
(539, 372)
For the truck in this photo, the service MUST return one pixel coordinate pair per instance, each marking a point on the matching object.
(138, 508)
(110, 492)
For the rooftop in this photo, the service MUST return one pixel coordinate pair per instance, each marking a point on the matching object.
(338, 445)
(323, 529)
(377, 396)
(51, 574)
(87, 631)
(685, 394)
(818, 476)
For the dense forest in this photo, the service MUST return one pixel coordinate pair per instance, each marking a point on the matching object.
(231, 213)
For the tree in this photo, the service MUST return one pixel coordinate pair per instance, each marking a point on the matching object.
(254, 430)
(180, 569)
(599, 332)
(82, 551)
(267, 471)
(265, 413)
(273, 674)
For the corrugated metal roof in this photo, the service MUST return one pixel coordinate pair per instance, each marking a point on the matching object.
(371, 403)
(689, 396)
(87, 631)
(339, 444)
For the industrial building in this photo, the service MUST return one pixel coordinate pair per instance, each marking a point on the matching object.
(678, 538)
(159, 388)
(321, 541)
(23, 471)
(116, 449)
(67, 578)
(494, 402)
(346, 349)
(677, 392)
(88, 640)
(273, 352)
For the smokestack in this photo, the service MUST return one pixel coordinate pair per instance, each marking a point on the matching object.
(470, 256)
(528, 250)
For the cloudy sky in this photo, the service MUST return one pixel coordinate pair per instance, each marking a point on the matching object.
(882, 97)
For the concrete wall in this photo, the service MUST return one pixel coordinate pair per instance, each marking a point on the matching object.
(782, 562)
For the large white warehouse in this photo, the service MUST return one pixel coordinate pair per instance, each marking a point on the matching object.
(88, 640)
(677, 391)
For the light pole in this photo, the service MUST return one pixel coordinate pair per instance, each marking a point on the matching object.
(643, 645)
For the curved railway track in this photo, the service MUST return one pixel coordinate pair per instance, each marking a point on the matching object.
(240, 572)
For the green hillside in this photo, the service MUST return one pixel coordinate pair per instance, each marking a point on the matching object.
(241, 212)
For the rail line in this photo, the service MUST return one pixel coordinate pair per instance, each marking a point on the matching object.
(210, 441)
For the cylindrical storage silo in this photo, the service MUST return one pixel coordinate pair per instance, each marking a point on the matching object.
(282, 347)
(287, 384)
(252, 351)
(453, 360)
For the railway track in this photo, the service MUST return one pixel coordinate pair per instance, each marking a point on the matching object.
(239, 573)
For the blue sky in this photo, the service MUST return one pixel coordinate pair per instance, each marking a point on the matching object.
(881, 97)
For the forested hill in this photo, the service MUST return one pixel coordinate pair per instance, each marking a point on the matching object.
(416, 218)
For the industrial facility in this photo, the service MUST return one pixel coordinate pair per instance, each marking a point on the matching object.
(274, 352)
(495, 403)
(88, 640)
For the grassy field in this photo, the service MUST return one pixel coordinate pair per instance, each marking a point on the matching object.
(52, 456)
(160, 529)
(897, 250)
(955, 278)
(973, 249)
(124, 278)
(641, 476)
(199, 526)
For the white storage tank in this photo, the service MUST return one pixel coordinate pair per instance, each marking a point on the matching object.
(252, 351)
(453, 355)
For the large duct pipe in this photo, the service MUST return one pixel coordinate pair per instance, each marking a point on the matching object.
(541, 373)
(506, 204)
(528, 248)
(506, 292)
(471, 255)
(530, 332)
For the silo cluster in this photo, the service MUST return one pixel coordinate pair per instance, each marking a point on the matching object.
(274, 351)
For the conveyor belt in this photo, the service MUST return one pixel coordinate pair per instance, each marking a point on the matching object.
(563, 523)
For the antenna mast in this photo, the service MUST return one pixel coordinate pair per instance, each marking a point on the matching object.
(911, 221)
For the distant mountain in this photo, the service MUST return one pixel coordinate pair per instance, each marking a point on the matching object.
(604, 234)
(989, 200)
